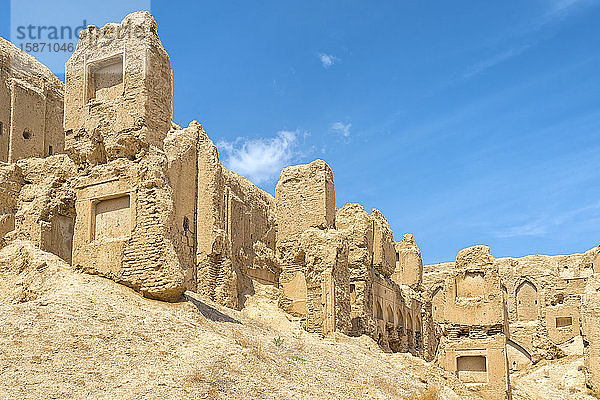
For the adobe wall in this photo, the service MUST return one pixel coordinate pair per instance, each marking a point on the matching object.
(542, 296)
(472, 295)
(400, 317)
(119, 91)
(384, 246)
(31, 107)
(181, 150)
(11, 181)
(305, 199)
(479, 363)
(382, 307)
(236, 235)
(409, 264)
(540, 291)
(357, 225)
(135, 210)
(324, 256)
(590, 318)
(124, 226)
(45, 213)
(473, 324)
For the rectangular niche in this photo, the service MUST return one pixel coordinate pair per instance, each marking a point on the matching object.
(104, 78)
(470, 285)
(472, 369)
(111, 218)
(563, 322)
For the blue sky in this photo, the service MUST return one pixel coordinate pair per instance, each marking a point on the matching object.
(464, 123)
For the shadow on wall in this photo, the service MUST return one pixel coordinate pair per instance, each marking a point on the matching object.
(209, 312)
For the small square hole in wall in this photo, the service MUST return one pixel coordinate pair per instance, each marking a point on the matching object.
(563, 322)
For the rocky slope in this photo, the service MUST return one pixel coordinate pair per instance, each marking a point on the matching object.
(561, 379)
(66, 334)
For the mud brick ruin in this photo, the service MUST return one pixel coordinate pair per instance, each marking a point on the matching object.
(116, 189)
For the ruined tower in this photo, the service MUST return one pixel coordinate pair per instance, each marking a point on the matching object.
(314, 257)
(409, 264)
(118, 109)
(305, 199)
(473, 343)
(119, 91)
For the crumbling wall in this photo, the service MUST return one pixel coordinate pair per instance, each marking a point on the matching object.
(119, 91)
(31, 107)
(46, 204)
(236, 231)
(473, 295)
(537, 291)
(325, 262)
(136, 201)
(392, 314)
(181, 149)
(590, 325)
(434, 275)
(400, 317)
(384, 246)
(304, 199)
(214, 269)
(11, 181)
(473, 343)
(357, 225)
(409, 264)
(480, 363)
(251, 230)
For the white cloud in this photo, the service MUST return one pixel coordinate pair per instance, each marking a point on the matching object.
(260, 160)
(563, 6)
(495, 60)
(554, 12)
(530, 229)
(327, 60)
(548, 221)
(341, 129)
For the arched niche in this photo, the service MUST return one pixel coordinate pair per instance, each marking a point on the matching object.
(437, 304)
(527, 301)
(390, 315)
(378, 310)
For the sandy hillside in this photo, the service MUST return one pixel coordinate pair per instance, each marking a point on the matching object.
(67, 334)
(561, 379)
